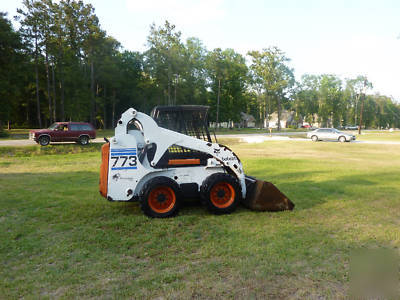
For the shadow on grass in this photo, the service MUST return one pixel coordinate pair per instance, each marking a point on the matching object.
(307, 193)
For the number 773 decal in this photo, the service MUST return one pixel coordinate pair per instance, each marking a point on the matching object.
(123, 159)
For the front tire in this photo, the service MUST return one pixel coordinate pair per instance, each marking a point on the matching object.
(160, 198)
(84, 140)
(44, 140)
(220, 193)
(342, 139)
(314, 138)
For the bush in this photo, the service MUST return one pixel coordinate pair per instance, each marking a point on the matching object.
(4, 134)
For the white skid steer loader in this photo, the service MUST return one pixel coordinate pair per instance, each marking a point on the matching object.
(161, 160)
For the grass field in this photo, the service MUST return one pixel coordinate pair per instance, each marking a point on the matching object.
(59, 238)
(379, 136)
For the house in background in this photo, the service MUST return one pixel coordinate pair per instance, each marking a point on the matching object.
(247, 120)
(287, 119)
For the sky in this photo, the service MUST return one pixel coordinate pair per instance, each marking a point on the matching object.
(346, 38)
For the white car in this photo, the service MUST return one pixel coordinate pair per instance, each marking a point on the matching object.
(330, 134)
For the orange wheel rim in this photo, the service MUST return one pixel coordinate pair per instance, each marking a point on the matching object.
(222, 195)
(162, 199)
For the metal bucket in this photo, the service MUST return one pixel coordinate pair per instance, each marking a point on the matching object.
(264, 196)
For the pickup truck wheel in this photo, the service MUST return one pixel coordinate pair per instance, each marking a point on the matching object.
(160, 198)
(314, 138)
(84, 140)
(220, 193)
(44, 140)
(342, 139)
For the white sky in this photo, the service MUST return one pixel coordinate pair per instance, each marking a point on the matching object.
(347, 38)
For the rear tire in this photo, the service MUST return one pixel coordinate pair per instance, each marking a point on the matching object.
(160, 198)
(220, 193)
(44, 140)
(342, 139)
(84, 140)
(314, 138)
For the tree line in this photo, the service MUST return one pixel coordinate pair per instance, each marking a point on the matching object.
(61, 65)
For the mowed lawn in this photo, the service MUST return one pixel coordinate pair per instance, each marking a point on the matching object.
(59, 238)
(379, 136)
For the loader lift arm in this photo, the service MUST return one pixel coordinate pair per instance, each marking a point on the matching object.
(165, 138)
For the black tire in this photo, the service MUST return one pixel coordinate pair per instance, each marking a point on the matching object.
(220, 193)
(84, 140)
(342, 139)
(160, 197)
(44, 140)
(314, 138)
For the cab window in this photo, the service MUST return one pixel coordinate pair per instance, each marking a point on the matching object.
(74, 127)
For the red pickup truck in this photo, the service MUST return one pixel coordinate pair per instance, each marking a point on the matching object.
(64, 132)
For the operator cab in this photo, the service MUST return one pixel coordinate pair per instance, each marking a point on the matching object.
(190, 120)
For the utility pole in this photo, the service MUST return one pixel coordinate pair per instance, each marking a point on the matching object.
(362, 106)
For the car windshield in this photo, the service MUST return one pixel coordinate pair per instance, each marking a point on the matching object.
(53, 126)
(337, 131)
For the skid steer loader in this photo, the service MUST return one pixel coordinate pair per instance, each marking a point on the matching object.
(163, 159)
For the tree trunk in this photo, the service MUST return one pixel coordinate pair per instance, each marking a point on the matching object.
(37, 83)
(92, 95)
(105, 107)
(261, 111)
(62, 112)
(176, 83)
(169, 92)
(361, 113)
(113, 109)
(362, 107)
(218, 95)
(37, 95)
(54, 93)
(169, 84)
(266, 111)
(355, 113)
(48, 88)
(279, 112)
(61, 81)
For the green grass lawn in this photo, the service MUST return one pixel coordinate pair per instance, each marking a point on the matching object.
(222, 131)
(59, 238)
(379, 136)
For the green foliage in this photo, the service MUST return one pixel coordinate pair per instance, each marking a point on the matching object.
(228, 74)
(12, 63)
(3, 134)
(272, 77)
(61, 65)
(323, 99)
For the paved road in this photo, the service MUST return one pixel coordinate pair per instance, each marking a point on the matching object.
(250, 138)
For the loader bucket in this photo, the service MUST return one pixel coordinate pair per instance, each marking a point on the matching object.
(264, 196)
